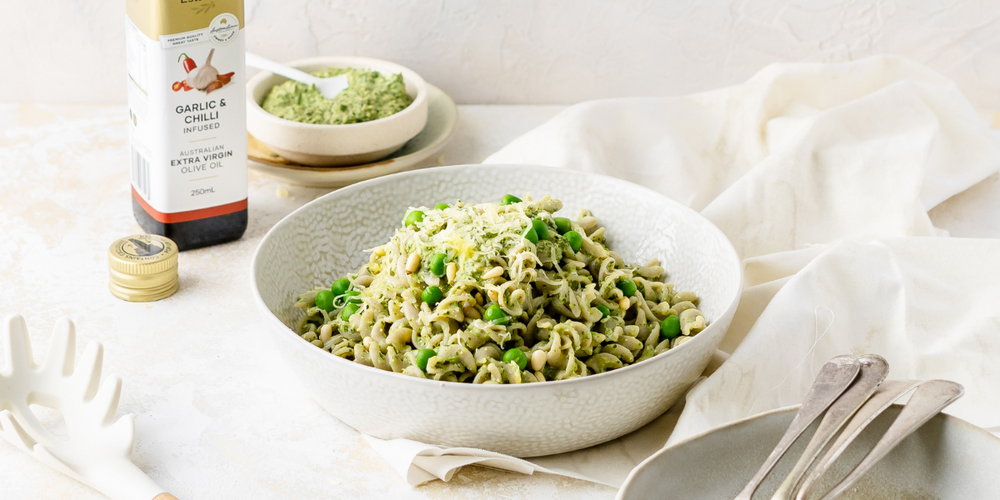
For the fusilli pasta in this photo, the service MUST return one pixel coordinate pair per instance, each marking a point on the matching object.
(497, 294)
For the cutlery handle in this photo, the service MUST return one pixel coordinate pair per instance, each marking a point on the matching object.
(256, 61)
(165, 496)
(929, 399)
(833, 379)
(873, 371)
(883, 398)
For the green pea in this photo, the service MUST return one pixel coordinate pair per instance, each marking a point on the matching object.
(530, 234)
(540, 229)
(352, 296)
(563, 224)
(496, 314)
(437, 264)
(423, 356)
(670, 327)
(340, 286)
(604, 310)
(574, 239)
(413, 217)
(441, 206)
(509, 199)
(517, 356)
(324, 300)
(431, 295)
(627, 286)
(349, 311)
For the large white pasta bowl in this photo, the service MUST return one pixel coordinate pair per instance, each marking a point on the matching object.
(326, 238)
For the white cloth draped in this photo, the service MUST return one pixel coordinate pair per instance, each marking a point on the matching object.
(829, 179)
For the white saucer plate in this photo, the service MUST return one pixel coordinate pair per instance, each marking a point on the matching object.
(946, 459)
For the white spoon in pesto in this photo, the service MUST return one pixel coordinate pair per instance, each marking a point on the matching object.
(329, 87)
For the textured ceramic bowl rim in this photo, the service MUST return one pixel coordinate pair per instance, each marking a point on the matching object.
(461, 386)
(341, 62)
(642, 465)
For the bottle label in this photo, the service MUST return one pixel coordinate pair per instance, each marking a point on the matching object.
(187, 111)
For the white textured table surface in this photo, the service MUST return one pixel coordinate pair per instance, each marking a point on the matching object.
(217, 416)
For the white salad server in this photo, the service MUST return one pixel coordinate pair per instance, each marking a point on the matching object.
(329, 87)
(98, 449)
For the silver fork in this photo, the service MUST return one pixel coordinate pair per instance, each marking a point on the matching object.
(861, 403)
(928, 400)
(834, 378)
(884, 397)
(873, 371)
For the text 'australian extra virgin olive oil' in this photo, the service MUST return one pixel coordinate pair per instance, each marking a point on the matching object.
(187, 119)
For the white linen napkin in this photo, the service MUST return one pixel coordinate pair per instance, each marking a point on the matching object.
(824, 177)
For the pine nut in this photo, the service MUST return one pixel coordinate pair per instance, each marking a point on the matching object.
(452, 271)
(325, 332)
(413, 263)
(538, 359)
(624, 303)
(471, 313)
(496, 272)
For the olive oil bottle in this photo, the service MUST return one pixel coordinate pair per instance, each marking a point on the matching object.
(187, 119)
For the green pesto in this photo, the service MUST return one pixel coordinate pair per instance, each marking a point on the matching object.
(370, 96)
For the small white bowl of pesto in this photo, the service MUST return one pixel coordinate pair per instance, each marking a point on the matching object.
(384, 107)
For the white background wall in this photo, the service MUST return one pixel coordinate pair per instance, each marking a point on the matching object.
(529, 51)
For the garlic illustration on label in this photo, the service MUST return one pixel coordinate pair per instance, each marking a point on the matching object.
(204, 77)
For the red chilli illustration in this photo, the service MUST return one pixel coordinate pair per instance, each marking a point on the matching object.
(204, 77)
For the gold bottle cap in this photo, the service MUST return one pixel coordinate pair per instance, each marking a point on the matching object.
(143, 268)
